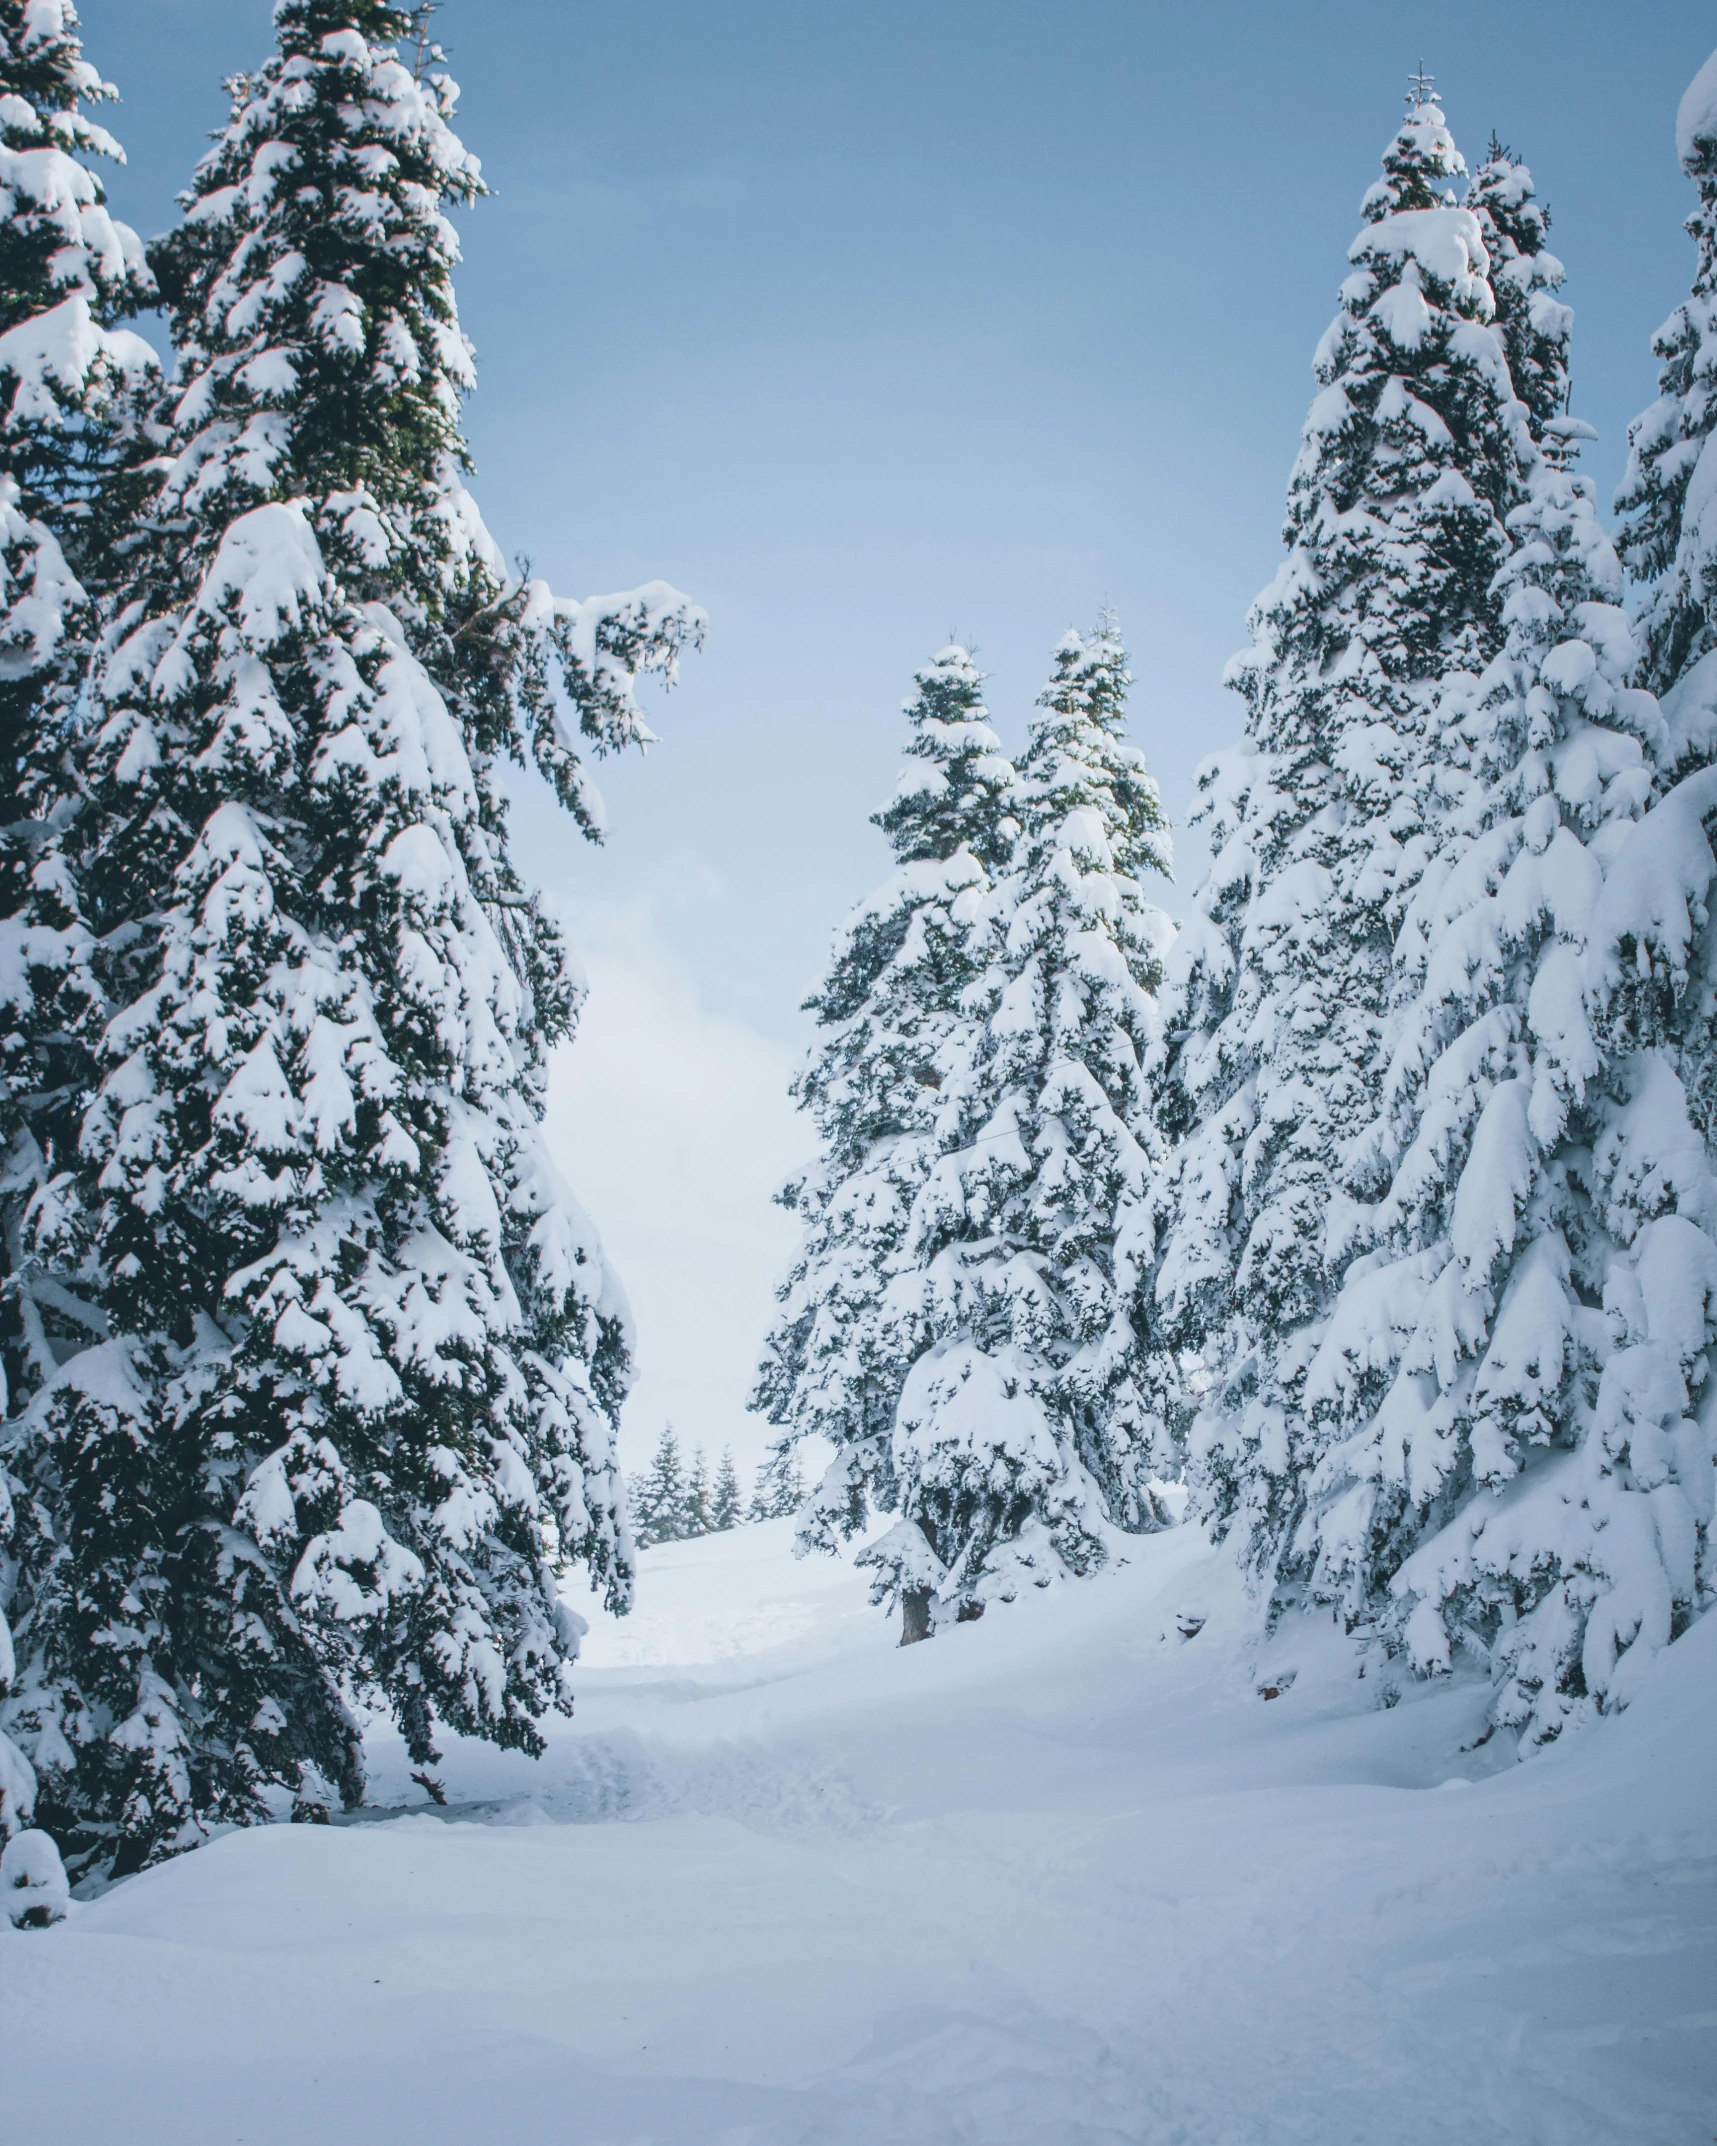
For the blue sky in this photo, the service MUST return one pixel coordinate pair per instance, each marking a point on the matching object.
(869, 325)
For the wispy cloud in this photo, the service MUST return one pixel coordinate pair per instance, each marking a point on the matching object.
(672, 1121)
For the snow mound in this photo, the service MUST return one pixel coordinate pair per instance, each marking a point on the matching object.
(33, 1882)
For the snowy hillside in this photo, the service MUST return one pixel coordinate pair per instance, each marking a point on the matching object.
(1061, 1877)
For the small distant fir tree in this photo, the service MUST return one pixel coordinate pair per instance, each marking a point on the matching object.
(727, 1504)
(846, 1336)
(1031, 1419)
(673, 1501)
(658, 1496)
(697, 1518)
(363, 1357)
(779, 1490)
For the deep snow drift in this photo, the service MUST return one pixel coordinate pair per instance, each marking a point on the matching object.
(1054, 1879)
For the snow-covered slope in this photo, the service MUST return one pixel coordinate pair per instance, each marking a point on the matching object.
(1058, 1878)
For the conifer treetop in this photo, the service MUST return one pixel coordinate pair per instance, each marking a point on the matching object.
(310, 286)
(1524, 275)
(1082, 785)
(1669, 494)
(1420, 164)
(956, 758)
(1696, 122)
(68, 269)
(311, 279)
(949, 823)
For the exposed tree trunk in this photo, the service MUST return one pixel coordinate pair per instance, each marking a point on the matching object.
(914, 1615)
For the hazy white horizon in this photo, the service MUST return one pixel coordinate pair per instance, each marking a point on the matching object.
(671, 1119)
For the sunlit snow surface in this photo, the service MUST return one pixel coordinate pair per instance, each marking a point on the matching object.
(1054, 1879)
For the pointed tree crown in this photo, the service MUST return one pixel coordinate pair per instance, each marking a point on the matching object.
(1409, 456)
(1420, 164)
(1080, 782)
(1672, 464)
(310, 282)
(1524, 275)
(956, 790)
(952, 803)
(1413, 452)
(57, 237)
(1025, 1429)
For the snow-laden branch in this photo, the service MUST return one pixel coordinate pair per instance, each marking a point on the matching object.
(580, 671)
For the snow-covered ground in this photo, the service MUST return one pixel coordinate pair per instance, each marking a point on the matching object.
(1055, 1879)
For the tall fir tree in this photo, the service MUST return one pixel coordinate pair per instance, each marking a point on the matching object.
(1507, 1321)
(1280, 987)
(1652, 982)
(1669, 494)
(71, 384)
(70, 380)
(838, 1356)
(1028, 1426)
(364, 1357)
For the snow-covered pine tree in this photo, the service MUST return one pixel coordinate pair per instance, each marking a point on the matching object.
(68, 378)
(1647, 1463)
(725, 1509)
(1524, 278)
(1669, 544)
(69, 400)
(356, 1404)
(1669, 495)
(1509, 1317)
(839, 1353)
(1027, 1427)
(778, 1491)
(1279, 987)
(695, 1513)
(658, 1496)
